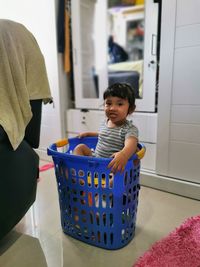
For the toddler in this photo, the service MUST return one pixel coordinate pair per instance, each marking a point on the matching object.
(117, 137)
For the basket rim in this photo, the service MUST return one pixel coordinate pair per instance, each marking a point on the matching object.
(52, 151)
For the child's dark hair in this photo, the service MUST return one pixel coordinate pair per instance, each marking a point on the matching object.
(122, 90)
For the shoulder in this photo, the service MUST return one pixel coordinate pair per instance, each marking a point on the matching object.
(131, 129)
(129, 124)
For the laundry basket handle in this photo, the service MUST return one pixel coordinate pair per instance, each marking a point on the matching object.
(52, 149)
(62, 142)
(140, 154)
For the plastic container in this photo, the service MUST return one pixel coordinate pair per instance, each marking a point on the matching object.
(96, 207)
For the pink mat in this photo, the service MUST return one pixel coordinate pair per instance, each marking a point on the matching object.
(181, 248)
(46, 167)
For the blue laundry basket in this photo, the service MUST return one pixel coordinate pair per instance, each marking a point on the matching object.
(96, 207)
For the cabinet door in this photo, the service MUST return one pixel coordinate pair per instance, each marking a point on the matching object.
(147, 101)
(78, 121)
(89, 55)
(90, 30)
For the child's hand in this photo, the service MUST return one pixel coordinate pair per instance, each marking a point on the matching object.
(81, 135)
(119, 162)
(85, 134)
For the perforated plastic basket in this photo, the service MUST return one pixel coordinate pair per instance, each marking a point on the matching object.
(96, 206)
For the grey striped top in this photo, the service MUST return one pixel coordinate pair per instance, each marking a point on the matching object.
(111, 140)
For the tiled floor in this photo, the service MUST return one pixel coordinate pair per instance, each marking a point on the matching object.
(38, 239)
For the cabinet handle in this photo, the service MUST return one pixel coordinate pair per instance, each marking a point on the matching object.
(151, 63)
(153, 45)
(83, 122)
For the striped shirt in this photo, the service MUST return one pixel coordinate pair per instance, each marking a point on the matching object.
(111, 140)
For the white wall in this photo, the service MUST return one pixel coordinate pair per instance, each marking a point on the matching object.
(39, 16)
(179, 95)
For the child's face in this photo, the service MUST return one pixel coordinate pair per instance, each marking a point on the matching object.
(116, 109)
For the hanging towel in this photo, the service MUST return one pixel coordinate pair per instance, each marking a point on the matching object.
(23, 77)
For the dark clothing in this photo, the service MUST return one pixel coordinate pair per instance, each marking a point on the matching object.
(61, 26)
(117, 53)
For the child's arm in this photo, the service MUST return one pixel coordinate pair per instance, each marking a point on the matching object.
(120, 158)
(85, 134)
